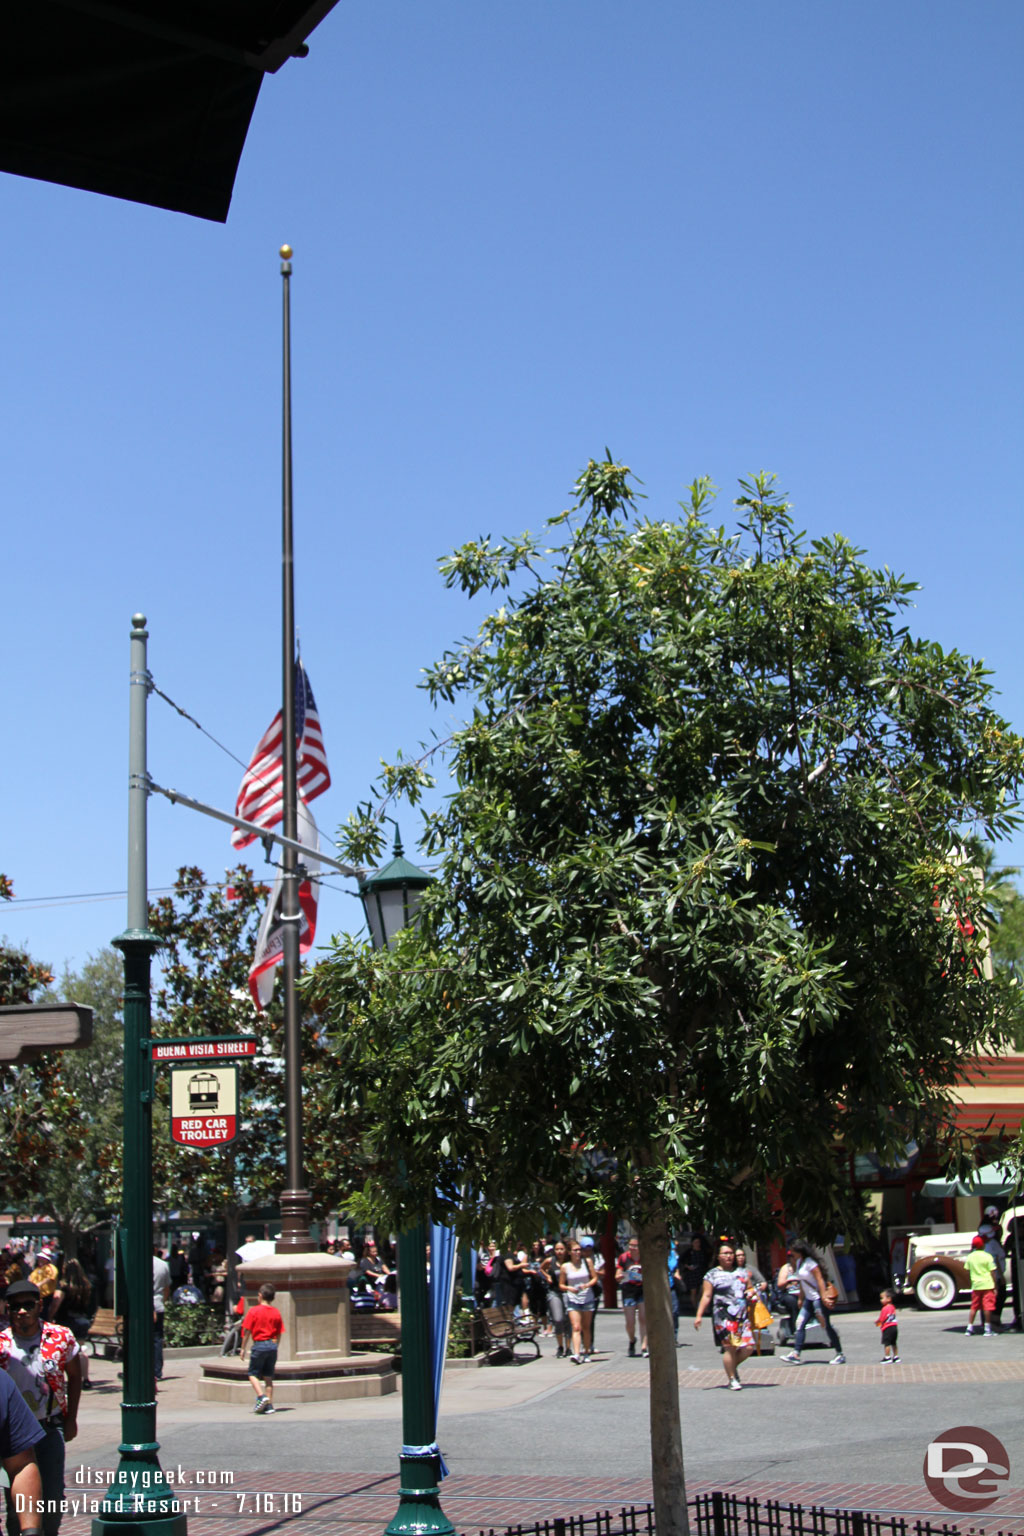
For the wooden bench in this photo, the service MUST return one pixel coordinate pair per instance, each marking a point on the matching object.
(107, 1329)
(379, 1332)
(503, 1331)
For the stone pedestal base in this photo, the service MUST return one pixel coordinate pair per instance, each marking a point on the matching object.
(312, 1297)
(307, 1381)
(314, 1359)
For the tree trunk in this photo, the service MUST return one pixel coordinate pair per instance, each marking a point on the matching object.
(671, 1517)
(231, 1215)
(67, 1236)
(609, 1252)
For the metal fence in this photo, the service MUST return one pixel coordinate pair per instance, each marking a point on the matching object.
(725, 1514)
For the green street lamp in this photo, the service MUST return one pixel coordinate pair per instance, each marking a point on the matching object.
(139, 1501)
(390, 899)
(391, 896)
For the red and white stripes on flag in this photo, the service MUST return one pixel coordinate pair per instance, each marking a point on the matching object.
(270, 939)
(260, 794)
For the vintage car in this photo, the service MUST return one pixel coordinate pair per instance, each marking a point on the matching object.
(936, 1274)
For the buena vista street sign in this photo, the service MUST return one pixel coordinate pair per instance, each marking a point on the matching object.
(204, 1098)
(203, 1048)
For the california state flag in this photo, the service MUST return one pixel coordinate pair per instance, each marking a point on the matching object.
(270, 939)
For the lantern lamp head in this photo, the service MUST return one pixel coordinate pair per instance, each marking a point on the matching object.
(391, 896)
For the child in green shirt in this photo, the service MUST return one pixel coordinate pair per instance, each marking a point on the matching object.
(982, 1270)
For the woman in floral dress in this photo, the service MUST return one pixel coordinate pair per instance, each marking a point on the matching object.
(728, 1291)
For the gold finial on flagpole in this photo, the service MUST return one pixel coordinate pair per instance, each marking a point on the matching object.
(286, 253)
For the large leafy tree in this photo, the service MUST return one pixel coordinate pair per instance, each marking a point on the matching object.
(74, 1183)
(1007, 936)
(701, 927)
(36, 1113)
(21, 977)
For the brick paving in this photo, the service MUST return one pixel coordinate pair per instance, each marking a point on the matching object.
(599, 1378)
(362, 1504)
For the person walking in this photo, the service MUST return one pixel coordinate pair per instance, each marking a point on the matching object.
(812, 1290)
(629, 1277)
(161, 1296)
(262, 1327)
(577, 1281)
(728, 1292)
(982, 1270)
(43, 1361)
(20, 1433)
(786, 1296)
(553, 1262)
(592, 1252)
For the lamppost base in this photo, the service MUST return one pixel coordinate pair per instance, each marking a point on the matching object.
(139, 1501)
(139, 1523)
(419, 1510)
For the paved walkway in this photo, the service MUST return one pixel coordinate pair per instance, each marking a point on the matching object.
(816, 1373)
(549, 1439)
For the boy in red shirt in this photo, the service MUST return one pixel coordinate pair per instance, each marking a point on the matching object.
(887, 1320)
(263, 1325)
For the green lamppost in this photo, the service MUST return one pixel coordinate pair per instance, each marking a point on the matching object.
(390, 899)
(139, 1502)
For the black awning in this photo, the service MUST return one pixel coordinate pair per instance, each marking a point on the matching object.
(148, 100)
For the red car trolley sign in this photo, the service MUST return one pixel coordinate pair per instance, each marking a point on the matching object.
(204, 1105)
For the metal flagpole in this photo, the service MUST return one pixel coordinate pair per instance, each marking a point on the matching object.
(295, 1202)
(140, 1496)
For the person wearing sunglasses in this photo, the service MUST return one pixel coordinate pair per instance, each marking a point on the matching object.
(43, 1362)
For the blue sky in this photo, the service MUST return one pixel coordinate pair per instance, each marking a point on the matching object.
(713, 238)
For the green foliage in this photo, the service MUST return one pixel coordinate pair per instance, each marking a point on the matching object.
(187, 1327)
(1008, 934)
(702, 924)
(21, 977)
(460, 1335)
(201, 988)
(62, 1113)
(76, 1185)
(208, 941)
(1006, 925)
(33, 1107)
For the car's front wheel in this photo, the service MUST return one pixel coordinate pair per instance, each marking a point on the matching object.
(935, 1289)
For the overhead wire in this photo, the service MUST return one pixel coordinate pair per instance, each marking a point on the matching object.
(179, 709)
(193, 721)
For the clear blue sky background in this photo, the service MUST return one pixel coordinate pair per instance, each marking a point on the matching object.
(714, 238)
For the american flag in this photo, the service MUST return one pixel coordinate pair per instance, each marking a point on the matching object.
(270, 939)
(259, 797)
